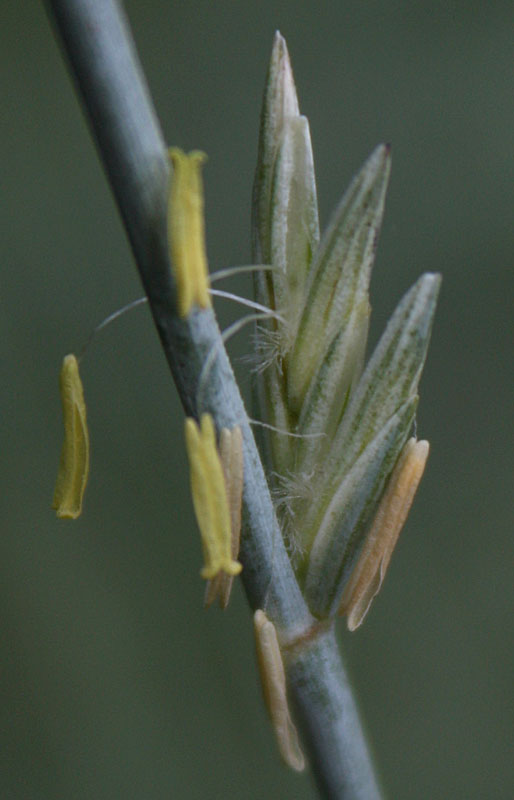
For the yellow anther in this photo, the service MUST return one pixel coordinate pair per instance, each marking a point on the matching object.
(210, 498)
(74, 464)
(273, 680)
(231, 455)
(186, 232)
(368, 575)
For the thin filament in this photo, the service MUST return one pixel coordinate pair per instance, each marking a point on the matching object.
(244, 302)
(115, 314)
(220, 274)
(284, 432)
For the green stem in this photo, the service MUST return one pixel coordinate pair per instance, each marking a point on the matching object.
(98, 45)
(329, 720)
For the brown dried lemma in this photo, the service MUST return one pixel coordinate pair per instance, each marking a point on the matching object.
(368, 574)
(273, 680)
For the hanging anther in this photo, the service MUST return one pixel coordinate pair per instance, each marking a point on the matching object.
(231, 455)
(74, 464)
(210, 498)
(186, 233)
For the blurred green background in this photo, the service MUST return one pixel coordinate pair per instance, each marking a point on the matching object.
(115, 682)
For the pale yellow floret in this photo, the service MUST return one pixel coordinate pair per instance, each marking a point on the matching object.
(186, 233)
(368, 575)
(210, 498)
(273, 680)
(74, 464)
(231, 455)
